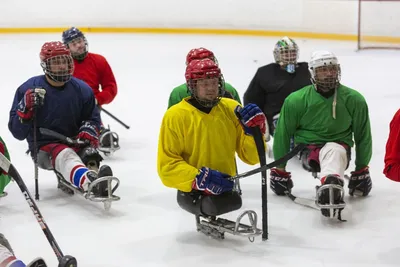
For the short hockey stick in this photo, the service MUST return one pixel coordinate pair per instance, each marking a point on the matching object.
(259, 140)
(271, 165)
(115, 118)
(8, 167)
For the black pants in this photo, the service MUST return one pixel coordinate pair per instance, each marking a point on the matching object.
(197, 203)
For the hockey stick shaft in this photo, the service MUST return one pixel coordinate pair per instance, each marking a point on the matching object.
(259, 140)
(59, 136)
(115, 118)
(35, 151)
(271, 165)
(6, 165)
(302, 201)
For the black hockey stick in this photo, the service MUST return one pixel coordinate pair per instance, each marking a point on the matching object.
(35, 151)
(115, 118)
(61, 137)
(259, 140)
(7, 166)
(306, 202)
(271, 165)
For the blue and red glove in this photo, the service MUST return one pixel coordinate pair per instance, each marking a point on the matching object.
(88, 132)
(32, 98)
(251, 116)
(212, 182)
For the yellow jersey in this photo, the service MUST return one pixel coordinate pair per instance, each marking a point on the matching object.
(190, 139)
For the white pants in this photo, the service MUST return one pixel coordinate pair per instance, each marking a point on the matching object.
(71, 167)
(333, 159)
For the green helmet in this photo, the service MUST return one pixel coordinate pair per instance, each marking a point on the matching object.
(286, 53)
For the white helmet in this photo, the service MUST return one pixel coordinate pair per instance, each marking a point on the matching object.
(327, 62)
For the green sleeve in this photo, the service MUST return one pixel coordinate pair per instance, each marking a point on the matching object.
(286, 127)
(362, 132)
(233, 91)
(177, 94)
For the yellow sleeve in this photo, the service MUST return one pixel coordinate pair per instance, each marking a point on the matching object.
(246, 148)
(171, 167)
(245, 144)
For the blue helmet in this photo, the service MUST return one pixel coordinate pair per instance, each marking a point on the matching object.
(72, 34)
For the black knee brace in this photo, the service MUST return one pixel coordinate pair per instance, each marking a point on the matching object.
(89, 153)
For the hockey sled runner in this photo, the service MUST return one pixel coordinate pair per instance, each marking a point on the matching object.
(217, 227)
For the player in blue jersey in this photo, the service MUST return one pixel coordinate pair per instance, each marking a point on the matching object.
(66, 105)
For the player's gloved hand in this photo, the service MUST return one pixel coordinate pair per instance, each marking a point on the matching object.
(251, 116)
(88, 133)
(360, 183)
(32, 98)
(280, 181)
(212, 182)
(2, 151)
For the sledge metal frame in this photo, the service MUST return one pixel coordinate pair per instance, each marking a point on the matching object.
(217, 227)
(107, 200)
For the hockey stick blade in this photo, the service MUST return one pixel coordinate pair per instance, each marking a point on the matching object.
(48, 132)
(302, 201)
(309, 203)
(271, 165)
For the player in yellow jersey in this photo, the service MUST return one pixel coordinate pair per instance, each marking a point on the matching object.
(198, 141)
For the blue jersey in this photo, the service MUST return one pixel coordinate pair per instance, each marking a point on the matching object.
(64, 110)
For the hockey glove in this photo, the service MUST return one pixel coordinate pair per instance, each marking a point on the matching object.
(88, 132)
(251, 116)
(32, 98)
(212, 182)
(360, 183)
(280, 182)
(2, 151)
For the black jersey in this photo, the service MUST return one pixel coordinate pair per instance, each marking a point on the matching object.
(271, 85)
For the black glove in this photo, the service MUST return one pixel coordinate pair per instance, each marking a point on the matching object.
(280, 182)
(360, 183)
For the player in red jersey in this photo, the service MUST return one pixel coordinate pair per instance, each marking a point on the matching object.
(96, 72)
(392, 155)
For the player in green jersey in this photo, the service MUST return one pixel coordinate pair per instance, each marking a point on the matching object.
(330, 118)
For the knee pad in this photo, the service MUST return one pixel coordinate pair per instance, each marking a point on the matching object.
(88, 154)
(307, 164)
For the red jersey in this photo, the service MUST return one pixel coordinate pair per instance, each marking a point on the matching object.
(97, 73)
(392, 156)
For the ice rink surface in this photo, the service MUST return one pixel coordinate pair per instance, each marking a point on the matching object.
(147, 228)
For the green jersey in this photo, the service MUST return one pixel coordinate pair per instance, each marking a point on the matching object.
(182, 91)
(4, 179)
(314, 119)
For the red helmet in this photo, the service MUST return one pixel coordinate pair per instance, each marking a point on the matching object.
(56, 61)
(52, 49)
(200, 53)
(204, 69)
